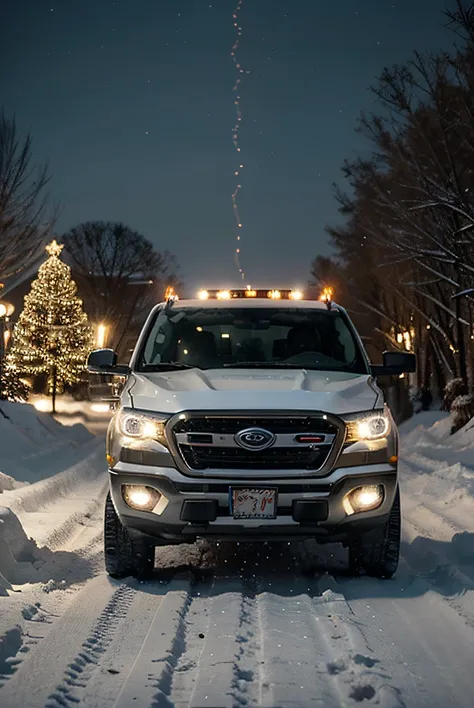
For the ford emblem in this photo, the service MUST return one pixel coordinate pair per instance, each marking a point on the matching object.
(255, 438)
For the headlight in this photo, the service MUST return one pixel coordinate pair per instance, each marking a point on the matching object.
(368, 426)
(139, 426)
(378, 426)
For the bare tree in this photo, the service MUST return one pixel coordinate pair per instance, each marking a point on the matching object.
(23, 200)
(119, 274)
(407, 247)
(408, 242)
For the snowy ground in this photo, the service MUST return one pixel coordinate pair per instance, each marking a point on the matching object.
(226, 626)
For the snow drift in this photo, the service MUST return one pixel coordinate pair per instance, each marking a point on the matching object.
(50, 474)
(34, 445)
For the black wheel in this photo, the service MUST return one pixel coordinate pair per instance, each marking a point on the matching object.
(124, 556)
(377, 552)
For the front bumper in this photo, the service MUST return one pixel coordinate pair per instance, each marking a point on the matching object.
(307, 508)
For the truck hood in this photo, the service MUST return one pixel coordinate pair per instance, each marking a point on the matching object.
(258, 389)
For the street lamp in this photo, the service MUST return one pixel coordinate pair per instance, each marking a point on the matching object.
(6, 311)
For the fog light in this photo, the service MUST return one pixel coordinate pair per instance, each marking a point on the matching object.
(363, 499)
(140, 498)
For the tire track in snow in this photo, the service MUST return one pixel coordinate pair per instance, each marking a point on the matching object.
(228, 672)
(247, 669)
(202, 648)
(56, 645)
(74, 531)
(80, 669)
(197, 624)
(237, 645)
(150, 679)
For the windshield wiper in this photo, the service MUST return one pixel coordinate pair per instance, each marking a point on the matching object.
(167, 366)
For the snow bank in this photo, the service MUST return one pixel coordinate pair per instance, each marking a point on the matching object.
(437, 482)
(47, 470)
(34, 445)
(32, 497)
(17, 552)
(37, 519)
(7, 483)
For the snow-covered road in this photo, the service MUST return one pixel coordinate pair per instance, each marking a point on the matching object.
(232, 626)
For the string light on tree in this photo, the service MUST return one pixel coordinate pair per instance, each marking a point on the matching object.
(52, 335)
(235, 131)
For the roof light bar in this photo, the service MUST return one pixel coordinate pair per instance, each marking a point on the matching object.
(250, 293)
(326, 297)
(170, 293)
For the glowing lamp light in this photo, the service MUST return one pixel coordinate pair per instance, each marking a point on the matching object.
(100, 407)
(223, 295)
(203, 295)
(101, 336)
(365, 498)
(6, 309)
(170, 293)
(326, 295)
(140, 498)
(42, 405)
(274, 294)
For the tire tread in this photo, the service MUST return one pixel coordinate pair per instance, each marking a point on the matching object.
(123, 555)
(377, 552)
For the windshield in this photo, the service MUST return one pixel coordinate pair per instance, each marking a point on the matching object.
(209, 338)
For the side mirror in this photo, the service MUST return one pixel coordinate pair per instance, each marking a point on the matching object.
(104, 361)
(395, 363)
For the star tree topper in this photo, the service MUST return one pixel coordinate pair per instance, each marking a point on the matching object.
(54, 248)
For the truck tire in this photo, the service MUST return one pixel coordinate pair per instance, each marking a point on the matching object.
(377, 552)
(124, 556)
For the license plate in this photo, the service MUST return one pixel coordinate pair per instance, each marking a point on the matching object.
(253, 503)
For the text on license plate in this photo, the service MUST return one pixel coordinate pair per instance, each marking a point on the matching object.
(254, 503)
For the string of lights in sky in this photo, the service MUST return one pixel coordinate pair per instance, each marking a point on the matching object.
(235, 134)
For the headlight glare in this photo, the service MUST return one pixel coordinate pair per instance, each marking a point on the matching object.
(365, 498)
(141, 427)
(373, 428)
(140, 497)
(367, 427)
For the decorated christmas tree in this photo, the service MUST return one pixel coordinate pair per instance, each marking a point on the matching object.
(12, 387)
(52, 335)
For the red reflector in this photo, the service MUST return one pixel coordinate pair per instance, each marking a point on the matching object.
(310, 438)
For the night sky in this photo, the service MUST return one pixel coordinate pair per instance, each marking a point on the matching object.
(132, 105)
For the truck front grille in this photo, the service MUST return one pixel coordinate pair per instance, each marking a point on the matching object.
(207, 442)
(281, 458)
(278, 425)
